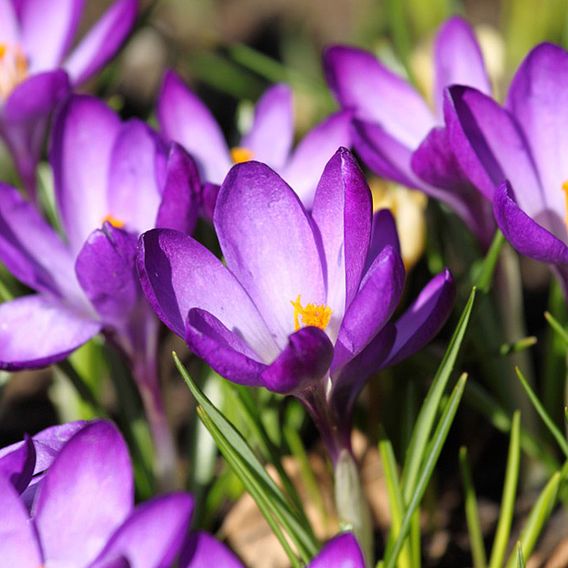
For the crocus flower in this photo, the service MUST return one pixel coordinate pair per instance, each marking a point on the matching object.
(526, 143)
(113, 180)
(395, 132)
(185, 119)
(83, 514)
(304, 301)
(38, 66)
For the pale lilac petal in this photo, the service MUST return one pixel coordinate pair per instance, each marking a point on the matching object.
(18, 465)
(81, 151)
(177, 274)
(458, 60)
(342, 214)
(204, 550)
(268, 244)
(75, 519)
(102, 41)
(152, 535)
(272, 132)
(36, 331)
(18, 543)
(48, 29)
(185, 119)
(342, 551)
(308, 160)
(9, 25)
(375, 94)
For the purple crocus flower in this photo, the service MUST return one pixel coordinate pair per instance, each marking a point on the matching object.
(113, 180)
(526, 143)
(38, 66)
(185, 119)
(82, 513)
(304, 301)
(395, 132)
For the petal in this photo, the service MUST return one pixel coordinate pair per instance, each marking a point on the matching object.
(342, 213)
(273, 114)
(102, 41)
(202, 549)
(224, 351)
(48, 29)
(177, 274)
(152, 535)
(18, 543)
(31, 249)
(342, 551)
(179, 206)
(9, 25)
(303, 170)
(372, 307)
(538, 99)
(424, 318)
(268, 244)
(525, 234)
(18, 465)
(458, 60)
(106, 271)
(36, 331)
(86, 494)
(136, 165)
(81, 150)
(185, 119)
(383, 233)
(375, 94)
(304, 361)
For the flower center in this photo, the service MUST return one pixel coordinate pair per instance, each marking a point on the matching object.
(240, 154)
(316, 315)
(565, 190)
(13, 68)
(116, 223)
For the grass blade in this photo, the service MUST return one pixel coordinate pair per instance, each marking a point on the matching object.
(557, 327)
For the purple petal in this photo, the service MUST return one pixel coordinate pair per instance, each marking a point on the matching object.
(424, 318)
(375, 94)
(304, 361)
(106, 271)
(458, 60)
(181, 192)
(342, 551)
(36, 331)
(81, 150)
(268, 244)
(18, 543)
(202, 549)
(88, 492)
(9, 25)
(18, 465)
(177, 274)
(31, 249)
(209, 193)
(224, 351)
(525, 234)
(306, 164)
(48, 29)
(102, 41)
(152, 535)
(273, 114)
(342, 213)
(383, 233)
(538, 99)
(185, 119)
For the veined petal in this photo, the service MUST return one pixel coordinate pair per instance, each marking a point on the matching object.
(87, 493)
(36, 331)
(272, 132)
(102, 42)
(308, 160)
(185, 119)
(18, 465)
(268, 244)
(202, 549)
(342, 551)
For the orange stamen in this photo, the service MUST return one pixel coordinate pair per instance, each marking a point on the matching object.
(116, 223)
(239, 154)
(317, 315)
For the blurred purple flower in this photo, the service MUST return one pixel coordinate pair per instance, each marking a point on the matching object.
(38, 66)
(303, 304)
(526, 143)
(185, 119)
(396, 133)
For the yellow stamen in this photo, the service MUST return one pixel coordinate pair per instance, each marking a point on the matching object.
(13, 68)
(239, 154)
(565, 189)
(3, 50)
(116, 223)
(317, 315)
